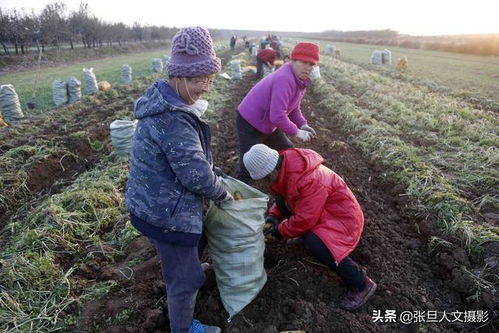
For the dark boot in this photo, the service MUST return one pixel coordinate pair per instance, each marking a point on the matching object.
(355, 299)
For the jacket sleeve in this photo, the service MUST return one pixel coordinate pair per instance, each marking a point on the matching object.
(279, 103)
(276, 212)
(296, 116)
(307, 210)
(183, 149)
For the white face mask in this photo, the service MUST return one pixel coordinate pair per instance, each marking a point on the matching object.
(199, 107)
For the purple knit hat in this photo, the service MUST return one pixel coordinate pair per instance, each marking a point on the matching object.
(193, 54)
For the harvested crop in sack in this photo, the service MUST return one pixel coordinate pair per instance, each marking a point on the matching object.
(236, 244)
(386, 57)
(74, 90)
(235, 66)
(59, 92)
(316, 73)
(122, 132)
(330, 49)
(238, 195)
(9, 103)
(156, 65)
(126, 74)
(90, 81)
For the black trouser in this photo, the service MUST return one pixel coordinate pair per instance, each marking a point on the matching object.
(347, 269)
(259, 68)
(249, 136)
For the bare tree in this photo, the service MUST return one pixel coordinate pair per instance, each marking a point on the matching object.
(137, 31)
(5, 30)
(53, 24)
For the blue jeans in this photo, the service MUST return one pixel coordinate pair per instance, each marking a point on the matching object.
(183, 277)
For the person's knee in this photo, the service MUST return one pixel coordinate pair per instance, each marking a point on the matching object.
(309, 241)
(186, 285)
(318, 249)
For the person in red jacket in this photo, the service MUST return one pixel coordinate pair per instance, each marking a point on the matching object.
(264, 58)
(316, 204)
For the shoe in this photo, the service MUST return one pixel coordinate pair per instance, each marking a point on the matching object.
(355, 299)
(197, 327)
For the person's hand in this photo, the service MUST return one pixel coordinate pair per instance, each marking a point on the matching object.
(225, 200)
(218, 171)
(272, 225)
(304, 136)
(308, 129)
(228, 197)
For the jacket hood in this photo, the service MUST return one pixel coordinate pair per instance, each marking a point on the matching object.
(296, 161)
(160, 98)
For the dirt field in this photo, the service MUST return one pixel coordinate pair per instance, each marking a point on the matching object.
(65, 143)
(300, 294)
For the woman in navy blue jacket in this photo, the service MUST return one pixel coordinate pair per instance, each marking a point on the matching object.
(171, 171)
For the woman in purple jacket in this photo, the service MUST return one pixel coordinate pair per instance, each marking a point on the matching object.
(271, 110)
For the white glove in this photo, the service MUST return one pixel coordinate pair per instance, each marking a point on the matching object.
(304, 136)
(228, 197)
(308, 129)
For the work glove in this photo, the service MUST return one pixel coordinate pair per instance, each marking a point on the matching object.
(218, 171)
(308, 129)
(274, 226)
(228, 198)
(304, 136)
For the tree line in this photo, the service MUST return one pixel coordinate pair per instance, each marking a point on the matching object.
(57, 27)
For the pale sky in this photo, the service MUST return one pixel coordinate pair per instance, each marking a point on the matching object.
(415, 17)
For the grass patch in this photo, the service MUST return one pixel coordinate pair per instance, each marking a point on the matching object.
(107, 69)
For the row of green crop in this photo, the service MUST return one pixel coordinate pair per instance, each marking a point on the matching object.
(39, 290)
(17, 163)
(35, 289)
(411, 133)
(469, 78)
(458, 139)
(475, 98)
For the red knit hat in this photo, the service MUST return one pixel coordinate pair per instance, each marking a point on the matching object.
(308, 52)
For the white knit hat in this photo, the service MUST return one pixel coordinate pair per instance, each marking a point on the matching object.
(260, 160)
